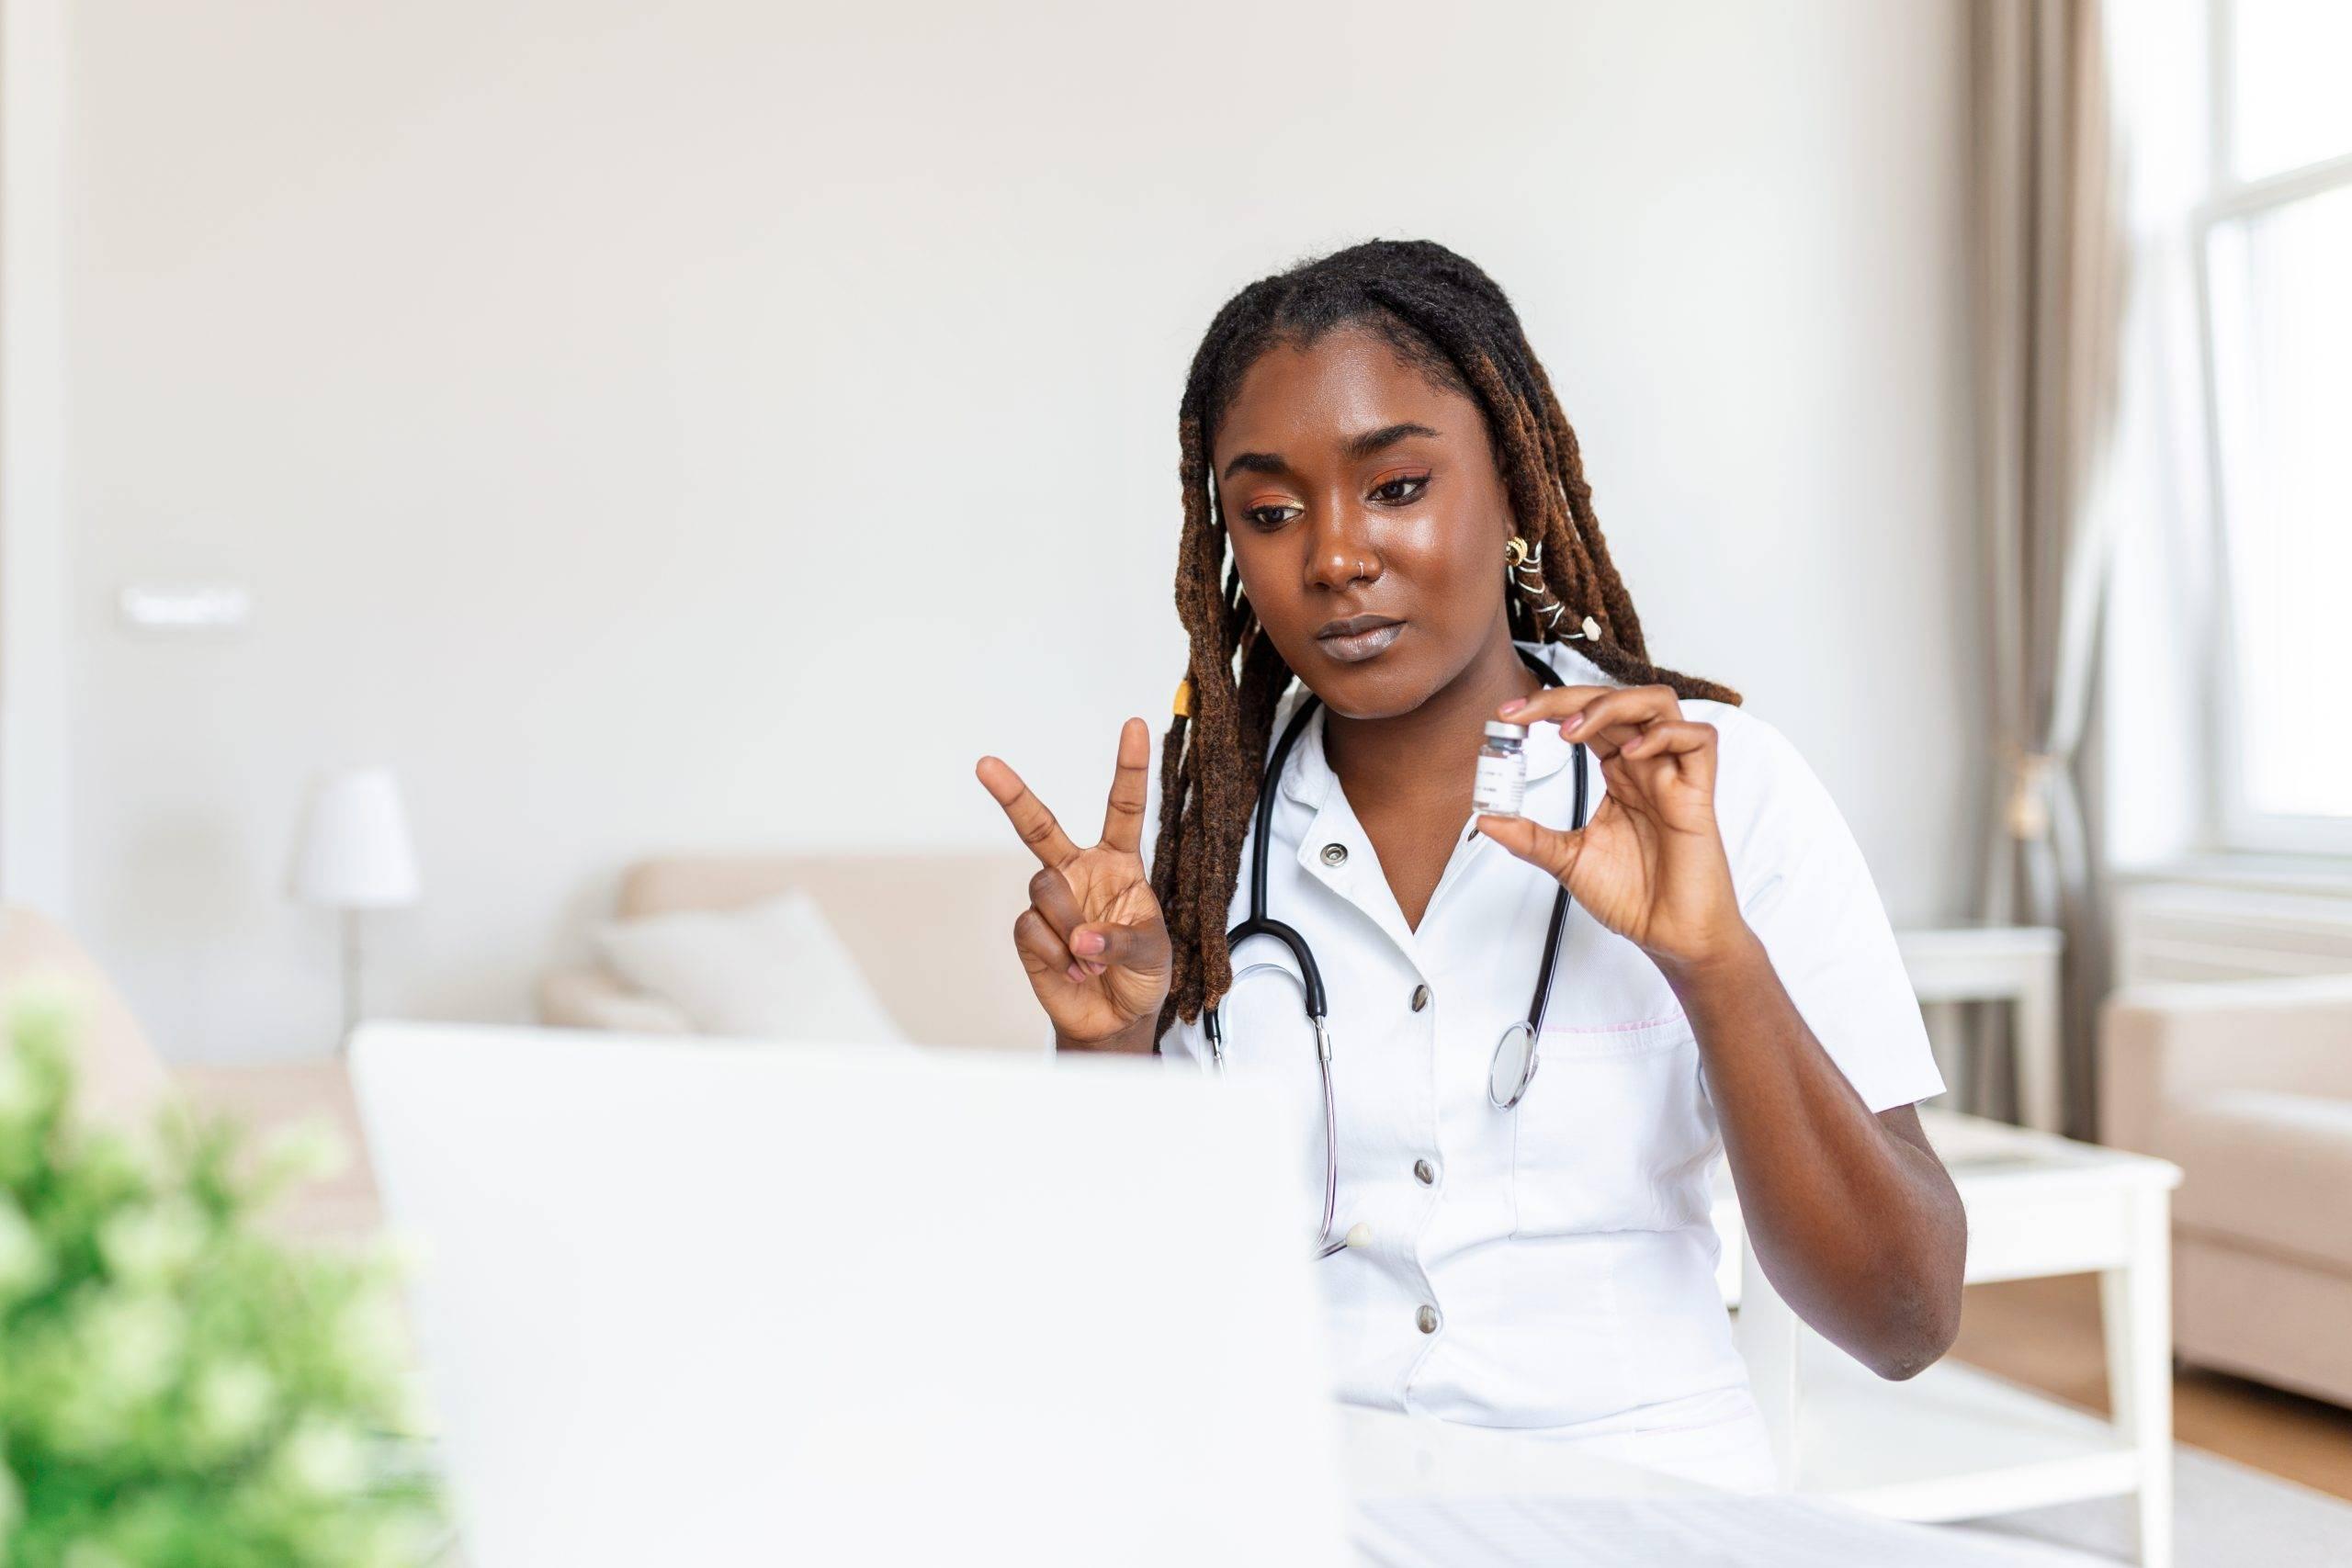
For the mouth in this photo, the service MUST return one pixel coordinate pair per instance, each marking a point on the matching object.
(1365, 637)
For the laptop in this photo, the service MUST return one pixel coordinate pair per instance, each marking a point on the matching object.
(720, 1303)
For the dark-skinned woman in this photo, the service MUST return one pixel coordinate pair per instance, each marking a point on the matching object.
(1389, 538)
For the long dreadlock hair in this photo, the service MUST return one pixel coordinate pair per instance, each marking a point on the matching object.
(1447, 318)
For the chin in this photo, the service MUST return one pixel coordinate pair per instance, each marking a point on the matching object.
(1375, 689)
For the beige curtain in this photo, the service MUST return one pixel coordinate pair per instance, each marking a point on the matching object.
(2049, 273)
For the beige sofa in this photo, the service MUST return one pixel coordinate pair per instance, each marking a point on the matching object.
(931, 931)
(2247, 1086)
(123, 1081)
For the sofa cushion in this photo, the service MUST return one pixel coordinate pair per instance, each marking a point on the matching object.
(595, 999)
(270, 1099)
(2269, 1170)
(962, 984)
(120, 1079)
(773, 970)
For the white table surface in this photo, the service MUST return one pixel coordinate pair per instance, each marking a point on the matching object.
(2018, 965)
(1958, 1443)
(1432, 1494)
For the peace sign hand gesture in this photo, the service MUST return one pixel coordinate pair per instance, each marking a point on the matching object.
(1092, 938)
(1649, 864)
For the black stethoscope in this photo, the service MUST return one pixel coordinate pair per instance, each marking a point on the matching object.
(1514, 1067)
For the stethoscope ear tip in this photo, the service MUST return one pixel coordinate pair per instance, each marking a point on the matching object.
(1358, 1234)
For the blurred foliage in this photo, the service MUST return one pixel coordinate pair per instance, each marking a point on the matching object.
(178, 1389)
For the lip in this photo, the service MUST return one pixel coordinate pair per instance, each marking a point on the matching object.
(1353, 648)
(1354, 624)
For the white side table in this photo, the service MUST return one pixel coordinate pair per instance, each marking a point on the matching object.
(1956, 1443)
(2013, 964)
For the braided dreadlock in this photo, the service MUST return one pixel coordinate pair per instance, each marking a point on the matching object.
(1451, 320)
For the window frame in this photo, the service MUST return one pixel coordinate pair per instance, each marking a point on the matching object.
(2234, 824)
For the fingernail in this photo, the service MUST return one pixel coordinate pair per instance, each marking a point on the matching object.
(1092, 968)
(1076, 973)
(1568, 724)
(1088, 941)
(1514, 705)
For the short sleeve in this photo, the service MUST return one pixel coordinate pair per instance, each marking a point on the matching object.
(1807, 893)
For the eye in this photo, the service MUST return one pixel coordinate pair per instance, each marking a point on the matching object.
(1401, 490)
(1256, 517)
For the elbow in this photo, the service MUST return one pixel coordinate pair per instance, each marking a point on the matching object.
(1915, 1334)
(1910, 1357)
(1919, 1304)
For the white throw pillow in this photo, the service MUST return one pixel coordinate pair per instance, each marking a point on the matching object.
(773, 970)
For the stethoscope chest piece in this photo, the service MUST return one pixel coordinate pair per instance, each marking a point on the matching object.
(1514, 1067)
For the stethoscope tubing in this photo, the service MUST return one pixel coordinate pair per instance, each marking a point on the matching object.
(1310, 974)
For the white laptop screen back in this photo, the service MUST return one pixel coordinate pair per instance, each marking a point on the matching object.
(719, 1303)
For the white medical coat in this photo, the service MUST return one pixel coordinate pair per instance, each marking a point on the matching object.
(1565, 1247)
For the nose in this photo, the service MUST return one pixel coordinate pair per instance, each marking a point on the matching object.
(1340, 552)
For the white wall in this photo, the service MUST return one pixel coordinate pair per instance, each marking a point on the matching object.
(36, 799)
(716, 424)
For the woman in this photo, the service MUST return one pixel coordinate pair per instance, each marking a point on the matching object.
(1375, 466)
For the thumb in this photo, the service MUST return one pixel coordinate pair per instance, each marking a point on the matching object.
(1141, 947)
(1550, 849)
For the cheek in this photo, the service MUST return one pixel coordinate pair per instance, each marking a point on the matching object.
(1452, 561)
(1270, 580)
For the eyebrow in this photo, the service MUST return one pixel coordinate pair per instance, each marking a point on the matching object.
(1357, 448)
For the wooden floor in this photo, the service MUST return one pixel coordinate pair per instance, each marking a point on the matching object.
(2045, 1334)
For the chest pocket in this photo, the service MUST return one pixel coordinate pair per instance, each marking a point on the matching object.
(1615, 1132)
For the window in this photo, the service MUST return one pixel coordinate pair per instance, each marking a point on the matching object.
(2274, 238)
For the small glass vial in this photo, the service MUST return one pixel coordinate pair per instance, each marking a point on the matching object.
(1502, 771)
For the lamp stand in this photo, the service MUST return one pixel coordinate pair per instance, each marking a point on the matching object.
(350, 920)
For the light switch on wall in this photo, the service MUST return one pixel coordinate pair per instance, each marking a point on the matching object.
(190, 607)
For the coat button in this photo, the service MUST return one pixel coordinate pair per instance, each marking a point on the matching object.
(1426, 1320)
(1335, 855)
(1421, 998)
(1424, 1173)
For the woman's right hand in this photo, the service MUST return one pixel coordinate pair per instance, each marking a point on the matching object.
(1092, 938)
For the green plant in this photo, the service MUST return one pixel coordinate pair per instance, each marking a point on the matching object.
(177, 1389)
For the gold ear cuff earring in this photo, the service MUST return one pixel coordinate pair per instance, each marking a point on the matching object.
(1520, 560)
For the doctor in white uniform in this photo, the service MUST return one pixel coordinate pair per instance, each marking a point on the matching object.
(1371, 439)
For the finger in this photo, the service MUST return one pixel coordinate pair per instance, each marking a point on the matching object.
(1030, 818)
(1041, 951)
(1122, 818)
(1552, 849)
(1603, 716)
(1670, 738)
(1686, 745)
(1608, 723)
(1648, 786)
(1050, 895)
(1553, 703)
(1135, 947)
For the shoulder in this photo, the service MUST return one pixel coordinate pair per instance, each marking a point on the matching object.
(1757, 769)
(1756, 765)
(1770, 805)
(1764, 754)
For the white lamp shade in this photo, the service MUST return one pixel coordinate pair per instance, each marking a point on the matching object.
(354, 851)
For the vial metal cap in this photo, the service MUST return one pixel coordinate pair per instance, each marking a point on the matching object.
(1507, 731)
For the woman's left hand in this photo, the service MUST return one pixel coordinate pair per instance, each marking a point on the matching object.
(1649, 864)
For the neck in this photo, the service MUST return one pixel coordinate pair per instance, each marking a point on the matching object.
(1381, 760)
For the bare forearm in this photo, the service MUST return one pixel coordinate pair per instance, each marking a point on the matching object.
(1852, 1216)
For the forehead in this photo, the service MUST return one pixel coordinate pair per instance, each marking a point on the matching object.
(1295, 398)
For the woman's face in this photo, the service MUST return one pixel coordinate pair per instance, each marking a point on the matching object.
(1354, 488)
